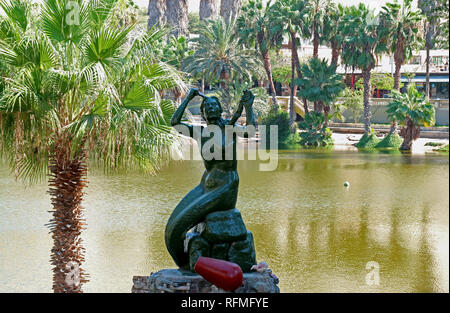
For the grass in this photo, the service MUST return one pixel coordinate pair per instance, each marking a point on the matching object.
(434, 144)
(368, 141)
(443, 149)
(390, 141)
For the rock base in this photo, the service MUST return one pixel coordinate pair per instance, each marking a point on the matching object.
(178, 281)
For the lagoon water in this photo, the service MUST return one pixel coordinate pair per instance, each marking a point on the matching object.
(315, 234)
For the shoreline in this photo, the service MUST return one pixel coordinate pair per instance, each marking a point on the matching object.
(346, 142)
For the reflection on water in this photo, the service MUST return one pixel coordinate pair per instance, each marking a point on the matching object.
(314, 233)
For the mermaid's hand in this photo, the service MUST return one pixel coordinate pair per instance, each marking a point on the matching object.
(247, 98)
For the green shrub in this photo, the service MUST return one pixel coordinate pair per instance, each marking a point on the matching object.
(279, 118)
(433, 144)
(443, 149)
(315, 134)
(368, 141)
(293, 139)
(391, 140)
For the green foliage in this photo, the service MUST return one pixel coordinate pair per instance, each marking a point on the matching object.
(368, 140)
(437, 14)
(433, 144)
(380, 81)
(279, 118)
(364, 37)
(391, 140)
(229, 98)
(411, 105)
(219, 56)
(293, 139)
(253, 26)
(443, 149)
(353, 100)
(331, 25)
(320, 81)
(315, 134)
(288, 16)
(402, 24)
(282, 74)
(176, 50)
(194, 22)
(92, 82)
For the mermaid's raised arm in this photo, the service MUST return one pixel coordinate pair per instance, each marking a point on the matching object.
(176, 117)
(247, 102)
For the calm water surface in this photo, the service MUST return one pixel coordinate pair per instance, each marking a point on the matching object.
(315, 234)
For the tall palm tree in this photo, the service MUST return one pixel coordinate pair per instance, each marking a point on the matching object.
(219, 56)
(320, 83)
(364, 40)
(402, 23)
(254, 30)
(290, 17)
(318, 9)
(331, 34)
(209, 9)
(229, 9)
(428, 8)
(156, 10)
(177, 17)
(79, 88)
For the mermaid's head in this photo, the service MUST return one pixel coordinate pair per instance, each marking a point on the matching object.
(211, 110)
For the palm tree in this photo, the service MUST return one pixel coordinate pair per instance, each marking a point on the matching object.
(177, 17)
(320, 83)
(402, 24)
(76, 90)
(209, 9)
(428, 8)
(254, 30)
(290, 17)
(229, 9)
(412, 109)
(364, 40)
(319, 9)
(331, 33)
(219, 55)
(156, 10)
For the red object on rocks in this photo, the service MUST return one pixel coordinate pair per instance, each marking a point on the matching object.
(223, 274)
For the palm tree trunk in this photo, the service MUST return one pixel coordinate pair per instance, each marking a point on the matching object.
(209, 9)
(268, 68)
(397, 75)
(68, 178)
(299, 71)
(229, 9)
(177, 16)
(202, 85)
(315, 41)
(367, 113)
(326, 112)
(409, 133)
(156, 9)
(293, 85)
(224, 79)
(427, 75)
(335, 52)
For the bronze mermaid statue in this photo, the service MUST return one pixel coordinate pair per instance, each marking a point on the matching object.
(218, 188)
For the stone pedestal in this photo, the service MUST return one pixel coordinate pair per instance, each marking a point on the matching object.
(177, 281)
(223, 236)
